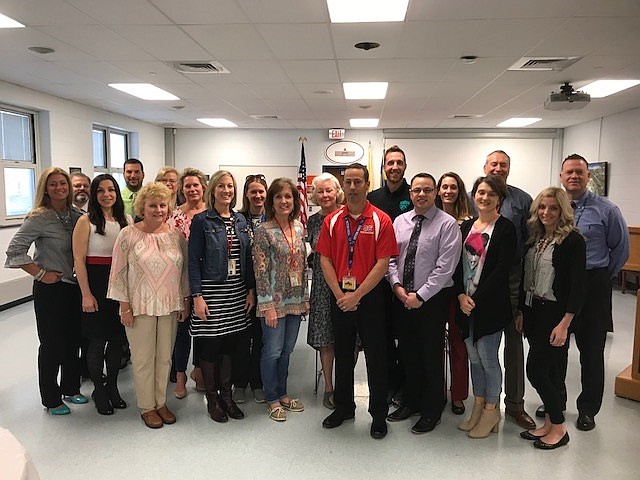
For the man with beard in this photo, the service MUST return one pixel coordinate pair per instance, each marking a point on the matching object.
(80, 183)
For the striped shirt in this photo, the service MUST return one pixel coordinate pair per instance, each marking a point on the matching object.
(225, 299)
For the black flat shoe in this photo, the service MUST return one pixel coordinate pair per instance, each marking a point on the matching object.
(457, 410)
(335, 419)
(585, 422)
(425, 425)
(378, 428)
(527, 435)
(551, 446)
(541, 412)
(400, 414)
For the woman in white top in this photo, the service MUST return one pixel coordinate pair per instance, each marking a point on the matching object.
(93, 240)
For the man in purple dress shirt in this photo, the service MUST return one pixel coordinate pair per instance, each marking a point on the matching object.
(430, 243)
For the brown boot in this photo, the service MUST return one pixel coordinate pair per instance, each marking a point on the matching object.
(210, 376)
(489, 422)
(226, 398)
(196, 376)
(471, 422)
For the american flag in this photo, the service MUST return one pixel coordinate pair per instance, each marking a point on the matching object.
(302, 188)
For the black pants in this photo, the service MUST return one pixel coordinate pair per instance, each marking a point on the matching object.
(544, 359)
(590, 329)
(247, 371)
(421, 333)
(395, 371)
(58, 308)
(369, 322)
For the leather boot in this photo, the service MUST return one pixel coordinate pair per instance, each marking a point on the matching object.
(210, 378)
(226, 399)
(489, 422)
(112, 360)
(471, 422)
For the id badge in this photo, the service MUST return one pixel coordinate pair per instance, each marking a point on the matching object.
(294, 279)
(231, 267)
(349, 283)
(528, 298)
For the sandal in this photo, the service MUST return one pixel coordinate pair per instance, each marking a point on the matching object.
(277, 413)
(294, 405)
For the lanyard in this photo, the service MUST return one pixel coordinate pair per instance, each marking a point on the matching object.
(352, 239)
(230, 237)
(292, 245)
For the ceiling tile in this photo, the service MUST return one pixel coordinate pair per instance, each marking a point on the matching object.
(230, 42)
(297, 41)
(164, 42)
(198, 12)
(285, 11)
(311, 71)
(110, 13)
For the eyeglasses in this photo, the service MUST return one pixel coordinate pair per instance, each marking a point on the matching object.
(427, 190)
(258, 176)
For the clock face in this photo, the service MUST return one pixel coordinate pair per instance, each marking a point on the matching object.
(344, 152)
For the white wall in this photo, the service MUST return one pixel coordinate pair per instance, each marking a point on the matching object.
(614, 139)
(66, 141)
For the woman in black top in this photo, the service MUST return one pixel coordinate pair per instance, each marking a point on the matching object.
(552, 292)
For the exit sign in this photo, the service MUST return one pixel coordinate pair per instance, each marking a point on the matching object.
(336, 133)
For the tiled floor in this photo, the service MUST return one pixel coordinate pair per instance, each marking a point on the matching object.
(85, 445)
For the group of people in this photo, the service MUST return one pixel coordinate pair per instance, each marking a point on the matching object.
(395, 272)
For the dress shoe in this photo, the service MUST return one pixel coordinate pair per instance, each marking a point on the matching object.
(101, 401)
(585, 423)
(522, 418)
(400, 414)
(541, 412)
(425, 425)
(335, 419)
(457, 409)
(152, 419)
(542, 445)
(378, 428)
(527, 435)
(115, 398)
(166, 415)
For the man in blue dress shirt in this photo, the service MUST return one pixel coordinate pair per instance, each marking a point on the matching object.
(607, 237)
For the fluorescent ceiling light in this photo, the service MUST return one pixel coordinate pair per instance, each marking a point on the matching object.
(217, 122)
(145, 91)
(6, 22)
(358, 11)
(604, 88)
(364, 122)
(518, 122)
(365, 90)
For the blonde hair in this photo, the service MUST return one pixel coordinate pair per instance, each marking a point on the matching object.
(215, 178)
(565, 223)
(327, 177)
(191, 172)
(163, 171)
(155, 191)
(42, 202)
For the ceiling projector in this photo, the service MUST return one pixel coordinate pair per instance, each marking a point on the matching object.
(567, 99)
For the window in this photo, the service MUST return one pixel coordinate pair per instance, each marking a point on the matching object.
(17, 164)
(110, 150)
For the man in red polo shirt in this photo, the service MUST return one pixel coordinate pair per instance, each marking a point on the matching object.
(355, 244)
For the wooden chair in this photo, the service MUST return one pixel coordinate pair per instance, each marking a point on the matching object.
(633, 264)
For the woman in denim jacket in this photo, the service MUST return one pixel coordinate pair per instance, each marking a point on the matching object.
(222, 284)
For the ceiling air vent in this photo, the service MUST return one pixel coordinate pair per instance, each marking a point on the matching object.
(199, 67)
(543, 64)
(265, 117)
(465, 115)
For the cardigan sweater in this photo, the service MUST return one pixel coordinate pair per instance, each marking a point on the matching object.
(493, 307)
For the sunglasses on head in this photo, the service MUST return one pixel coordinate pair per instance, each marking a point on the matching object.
(258, 176)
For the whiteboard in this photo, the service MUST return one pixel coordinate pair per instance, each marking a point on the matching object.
(531, 159)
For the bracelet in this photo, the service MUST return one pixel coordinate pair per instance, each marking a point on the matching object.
(125, 312)
(40, 275)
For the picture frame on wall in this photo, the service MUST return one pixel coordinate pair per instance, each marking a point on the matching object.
(599, 181)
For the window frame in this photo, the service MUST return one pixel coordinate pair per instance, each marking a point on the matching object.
(107, 131)
(34, 164)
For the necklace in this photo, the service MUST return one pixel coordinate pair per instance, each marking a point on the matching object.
(65, 218)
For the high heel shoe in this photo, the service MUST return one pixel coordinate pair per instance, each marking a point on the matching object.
(489, 422)
(115, 398)
(101, 401)
(472, 421)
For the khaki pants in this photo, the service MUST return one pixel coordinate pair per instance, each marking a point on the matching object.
(151, 341)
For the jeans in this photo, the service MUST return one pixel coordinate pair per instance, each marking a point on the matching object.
(277, 345)
(486, 373)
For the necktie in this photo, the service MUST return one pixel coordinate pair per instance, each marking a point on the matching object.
(573, 204)
(410, 260)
